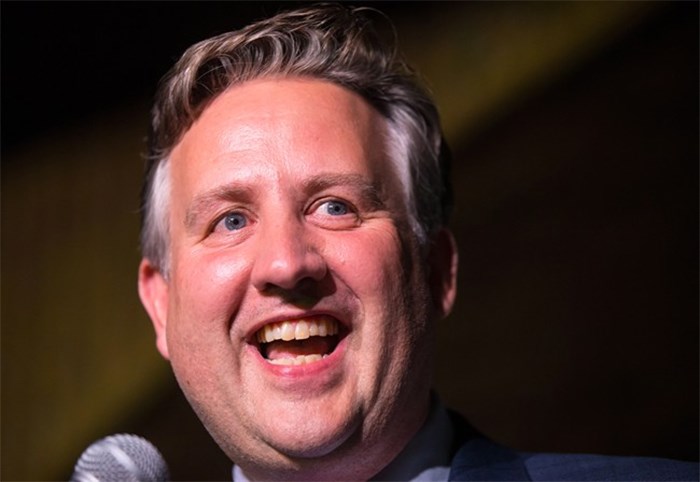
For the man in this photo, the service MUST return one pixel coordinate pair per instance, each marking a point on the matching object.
(297, 259)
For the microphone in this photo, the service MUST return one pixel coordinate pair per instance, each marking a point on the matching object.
(120, 458)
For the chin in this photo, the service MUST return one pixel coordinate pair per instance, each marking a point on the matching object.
(309, 440)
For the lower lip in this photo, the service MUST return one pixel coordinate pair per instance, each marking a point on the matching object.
(295, 373)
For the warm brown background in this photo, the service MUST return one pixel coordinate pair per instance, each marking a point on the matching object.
(575, 132)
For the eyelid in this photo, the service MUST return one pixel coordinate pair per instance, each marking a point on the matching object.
(325, 220)
(219, 219)
(316, 205)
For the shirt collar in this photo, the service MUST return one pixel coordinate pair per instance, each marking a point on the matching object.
(427, 455)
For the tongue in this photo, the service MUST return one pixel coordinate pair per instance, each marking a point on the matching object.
(316, 345)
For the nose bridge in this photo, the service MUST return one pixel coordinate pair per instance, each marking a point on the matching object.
(286, 254)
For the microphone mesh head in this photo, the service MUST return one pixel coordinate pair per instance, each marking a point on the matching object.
(124, 458)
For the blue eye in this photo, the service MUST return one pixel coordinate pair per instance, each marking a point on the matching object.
(234, 221)
(336, 208)
(334, 214)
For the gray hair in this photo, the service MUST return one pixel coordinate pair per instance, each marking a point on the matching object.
(334, 43)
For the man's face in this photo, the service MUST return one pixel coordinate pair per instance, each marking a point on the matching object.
(297, 314)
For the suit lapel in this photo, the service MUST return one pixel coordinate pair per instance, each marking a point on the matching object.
(475, 457)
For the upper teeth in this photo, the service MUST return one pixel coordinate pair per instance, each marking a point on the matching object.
(297, 329)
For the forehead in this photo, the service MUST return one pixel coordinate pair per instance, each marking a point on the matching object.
(289, 123)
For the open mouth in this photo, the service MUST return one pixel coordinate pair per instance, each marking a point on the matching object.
(298, 342)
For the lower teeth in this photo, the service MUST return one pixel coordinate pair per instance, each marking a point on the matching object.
(300, 360)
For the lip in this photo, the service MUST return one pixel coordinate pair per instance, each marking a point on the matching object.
(317, 370)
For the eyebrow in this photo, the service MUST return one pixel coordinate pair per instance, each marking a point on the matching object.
(369, 192)
(205, 202)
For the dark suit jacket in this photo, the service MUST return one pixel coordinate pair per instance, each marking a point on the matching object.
(477, 458)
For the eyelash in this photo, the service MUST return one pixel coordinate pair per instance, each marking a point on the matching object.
(347, 207)
(221, 221)
(347, 218)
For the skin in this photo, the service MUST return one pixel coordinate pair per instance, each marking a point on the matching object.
(278, 156)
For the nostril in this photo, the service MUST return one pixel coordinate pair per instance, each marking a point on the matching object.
(303, 295)
(286, 259)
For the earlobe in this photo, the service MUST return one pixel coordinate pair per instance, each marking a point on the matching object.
(443, 259)
(153, 291)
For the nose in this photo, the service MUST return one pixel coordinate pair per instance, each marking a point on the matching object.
(286, 257)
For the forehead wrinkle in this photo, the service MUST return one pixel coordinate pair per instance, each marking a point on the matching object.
(206, 201)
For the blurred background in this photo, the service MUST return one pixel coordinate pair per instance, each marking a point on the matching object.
(574, 127)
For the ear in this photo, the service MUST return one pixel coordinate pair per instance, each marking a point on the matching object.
(443, 263)
(153, 290)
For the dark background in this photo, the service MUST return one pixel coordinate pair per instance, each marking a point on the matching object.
(576, 179)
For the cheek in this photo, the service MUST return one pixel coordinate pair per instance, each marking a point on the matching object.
(367, 260)
(372, 264)
(206, 293)
(209, 287)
